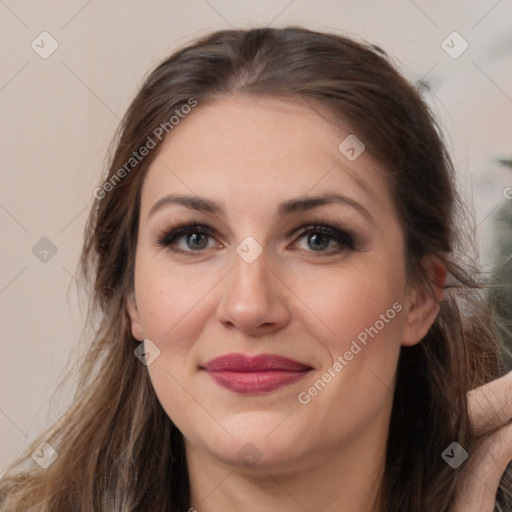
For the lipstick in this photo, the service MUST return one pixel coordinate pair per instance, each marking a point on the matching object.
(255, 375)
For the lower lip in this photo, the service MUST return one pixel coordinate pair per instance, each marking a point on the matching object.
(256, 383)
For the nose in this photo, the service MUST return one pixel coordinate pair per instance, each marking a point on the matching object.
(254, 299)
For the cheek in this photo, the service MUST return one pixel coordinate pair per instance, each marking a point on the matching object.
(360, 303)
(362, 320)
(172, 303)
(173, 308)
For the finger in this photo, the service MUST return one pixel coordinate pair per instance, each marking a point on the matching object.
(490, 406)
(487, 465)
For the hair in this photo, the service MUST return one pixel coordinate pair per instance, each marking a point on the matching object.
(118, 450)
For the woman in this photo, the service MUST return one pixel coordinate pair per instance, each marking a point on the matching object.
(277, 226)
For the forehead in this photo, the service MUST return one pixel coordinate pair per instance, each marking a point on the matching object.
(262, 148)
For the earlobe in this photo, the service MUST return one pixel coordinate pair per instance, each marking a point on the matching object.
(133, 313)
(424, 301)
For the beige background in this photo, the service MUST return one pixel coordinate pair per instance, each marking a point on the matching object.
(58, 116)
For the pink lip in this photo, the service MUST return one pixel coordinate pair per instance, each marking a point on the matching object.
(256, 374)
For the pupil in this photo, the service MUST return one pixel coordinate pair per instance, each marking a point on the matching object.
(315, 237)
(194, 237)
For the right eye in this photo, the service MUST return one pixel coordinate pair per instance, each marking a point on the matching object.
(194, 236)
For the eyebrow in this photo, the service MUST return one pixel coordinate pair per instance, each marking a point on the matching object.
(202, 204)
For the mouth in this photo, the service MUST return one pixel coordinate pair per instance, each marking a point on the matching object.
(255, 375)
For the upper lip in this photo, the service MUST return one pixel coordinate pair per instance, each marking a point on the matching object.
(264, 362)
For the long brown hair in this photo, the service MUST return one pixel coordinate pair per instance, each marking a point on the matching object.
(118, 450)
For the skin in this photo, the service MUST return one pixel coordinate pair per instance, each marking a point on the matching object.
(490, 408)
(250, 154)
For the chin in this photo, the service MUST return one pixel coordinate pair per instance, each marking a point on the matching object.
(256, 440)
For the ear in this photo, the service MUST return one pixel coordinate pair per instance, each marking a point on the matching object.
(424, 301)
(133, 313)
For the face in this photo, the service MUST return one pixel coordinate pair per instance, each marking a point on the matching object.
(251, 270)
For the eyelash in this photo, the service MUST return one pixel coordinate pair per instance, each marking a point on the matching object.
(335, 232)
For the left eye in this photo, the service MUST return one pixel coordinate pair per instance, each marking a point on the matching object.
(319, 238)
